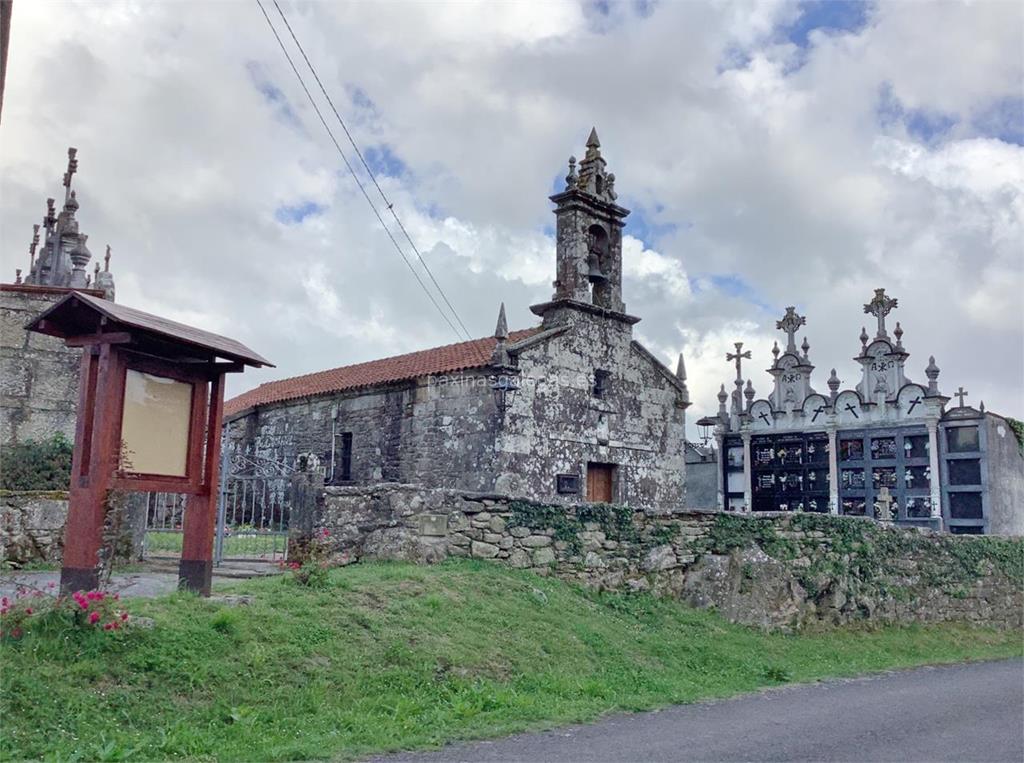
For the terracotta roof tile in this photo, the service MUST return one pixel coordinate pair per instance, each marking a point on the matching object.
(437, 360)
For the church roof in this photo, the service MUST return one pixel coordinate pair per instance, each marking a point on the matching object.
(437, 360)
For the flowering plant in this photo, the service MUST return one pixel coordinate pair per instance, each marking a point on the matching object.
(31, 608)
(312, 562)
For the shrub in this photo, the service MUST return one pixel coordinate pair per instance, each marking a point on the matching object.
(311, 563)
(35, 609)
(37, 465)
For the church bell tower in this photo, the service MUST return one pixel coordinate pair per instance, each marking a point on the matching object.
(589, 231)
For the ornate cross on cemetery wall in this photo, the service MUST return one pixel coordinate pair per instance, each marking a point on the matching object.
(790, 323)
(880, 307)
(738, 356)
(961, 393)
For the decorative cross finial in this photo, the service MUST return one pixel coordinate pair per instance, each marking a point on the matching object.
(961, 393)
(738, 356)
(880, 307)
(790, 323)
(106, 264)
(72, 169)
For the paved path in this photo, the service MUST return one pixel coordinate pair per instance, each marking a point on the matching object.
(959, 713)
(145, 583)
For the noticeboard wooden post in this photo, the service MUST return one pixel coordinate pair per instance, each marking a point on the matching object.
(150, 409)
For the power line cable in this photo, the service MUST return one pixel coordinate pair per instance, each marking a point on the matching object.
(352, 171)
(366, 166)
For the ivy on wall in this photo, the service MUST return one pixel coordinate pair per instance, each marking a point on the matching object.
(616, 522)
(865, 556)
(1018, 431)
(37, 465)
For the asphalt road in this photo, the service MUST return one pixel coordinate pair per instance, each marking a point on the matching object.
(958, 713)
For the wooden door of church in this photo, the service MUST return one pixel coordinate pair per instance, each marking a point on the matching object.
(599, 482)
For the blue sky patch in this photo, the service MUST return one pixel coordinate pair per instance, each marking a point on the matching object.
(645, 225)
(827, 15)
(383, 161)
(296, 213)
(1003, 120)
(271, 93)
(926, 125)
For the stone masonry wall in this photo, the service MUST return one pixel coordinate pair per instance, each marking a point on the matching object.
(38, 374)
(775, 571)
(32, 527)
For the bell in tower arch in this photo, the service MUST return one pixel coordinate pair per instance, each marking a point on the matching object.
(597, 254)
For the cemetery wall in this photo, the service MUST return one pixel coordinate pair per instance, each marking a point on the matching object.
(774, 571)
(32, 527)
(38, 374)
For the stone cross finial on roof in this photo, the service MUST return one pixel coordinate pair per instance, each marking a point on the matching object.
(961, 393)
(790, 323)
(738, 356)
(880, 306)
(70, 172)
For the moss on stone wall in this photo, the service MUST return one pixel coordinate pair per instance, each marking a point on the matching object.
(824, 551)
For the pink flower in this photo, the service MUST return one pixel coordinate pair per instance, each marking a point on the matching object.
(51, 585)
(93, 618)
(124, 616)
(28, 610)
(108, 627)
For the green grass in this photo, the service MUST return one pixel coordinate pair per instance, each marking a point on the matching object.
(397, 656)
(255, 546)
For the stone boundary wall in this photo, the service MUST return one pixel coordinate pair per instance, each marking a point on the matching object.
(773, 571)
(32, 526)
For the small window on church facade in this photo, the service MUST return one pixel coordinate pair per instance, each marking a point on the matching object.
(343, 470)
(601, 383)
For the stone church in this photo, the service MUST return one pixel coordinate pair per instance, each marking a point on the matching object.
(889, 448)
(569, 410)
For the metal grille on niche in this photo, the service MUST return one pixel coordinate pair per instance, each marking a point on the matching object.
(790, 472)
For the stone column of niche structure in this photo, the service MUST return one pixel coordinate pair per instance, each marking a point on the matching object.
(722, 465)
(833, 471)
(933, 465)
(748, 493)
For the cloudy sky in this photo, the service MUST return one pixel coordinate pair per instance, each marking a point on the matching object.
(773, 154)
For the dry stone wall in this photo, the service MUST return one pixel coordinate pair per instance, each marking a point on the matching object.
(32, 527)
(778, 571)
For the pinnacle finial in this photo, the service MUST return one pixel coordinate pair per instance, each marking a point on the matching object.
(681, 369)
(106, 262)
(501, 330)
(592, 141)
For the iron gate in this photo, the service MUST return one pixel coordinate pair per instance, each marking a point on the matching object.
(253, 513)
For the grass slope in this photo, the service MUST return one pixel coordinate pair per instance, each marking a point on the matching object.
(397, 656)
